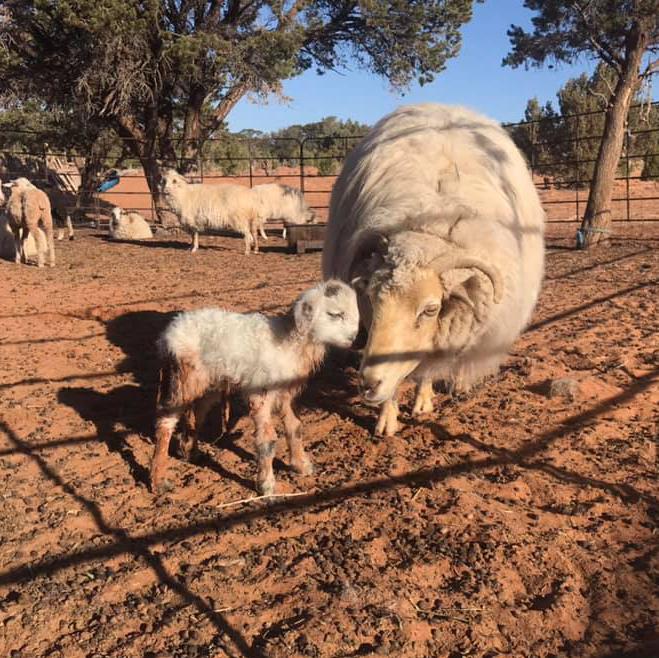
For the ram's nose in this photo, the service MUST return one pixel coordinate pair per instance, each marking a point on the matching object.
(369, 386)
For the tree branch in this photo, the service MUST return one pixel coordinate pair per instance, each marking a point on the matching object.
(607, 54)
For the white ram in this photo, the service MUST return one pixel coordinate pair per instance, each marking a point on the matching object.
(436, 219)
(201, 206)
(128, 225)
(208, 352)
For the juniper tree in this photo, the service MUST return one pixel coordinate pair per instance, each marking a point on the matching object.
(160, 71)
(624, 34)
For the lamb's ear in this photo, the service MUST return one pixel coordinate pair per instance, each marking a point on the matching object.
(305, 310)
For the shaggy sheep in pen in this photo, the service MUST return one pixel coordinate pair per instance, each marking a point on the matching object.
(436, 220)
(208, 352)
(276, 201)
(28, 210)
(128, 226)
(201, 206)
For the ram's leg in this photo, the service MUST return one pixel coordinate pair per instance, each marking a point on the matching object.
(255, 236)
(423, 403)
(262, 232)
(300, 461)
(195, 242)
(283, 233)
(260, 409)
(166, 421)
(387, 424)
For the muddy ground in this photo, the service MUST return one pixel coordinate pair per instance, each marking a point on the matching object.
(510, 523)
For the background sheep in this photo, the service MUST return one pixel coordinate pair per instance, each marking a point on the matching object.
(27, 208)
(268, 358)
(436, 217)
(128, 226)
(281, 202)
(200, 206)
(59, 204)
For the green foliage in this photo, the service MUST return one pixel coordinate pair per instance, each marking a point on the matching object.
(564, 29)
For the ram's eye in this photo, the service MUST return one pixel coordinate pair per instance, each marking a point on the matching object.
(431, 310)
(336, 316)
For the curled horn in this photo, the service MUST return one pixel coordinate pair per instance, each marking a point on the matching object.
(453, 261)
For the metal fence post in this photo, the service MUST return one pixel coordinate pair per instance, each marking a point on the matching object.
(578, 176)
(302, 164)
(627, 136)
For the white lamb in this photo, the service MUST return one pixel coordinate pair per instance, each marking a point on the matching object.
(281, 202)
(28, 214)
(200, 206)
(210, 351)
(128, 226)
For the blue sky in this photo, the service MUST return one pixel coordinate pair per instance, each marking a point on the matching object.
(475, 78)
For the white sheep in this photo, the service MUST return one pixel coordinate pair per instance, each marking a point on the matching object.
(436, 219)
(28, 210)
(200, 206)
(281, 202)
(207, 352)
(128, 225)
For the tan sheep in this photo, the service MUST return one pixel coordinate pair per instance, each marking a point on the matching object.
(27, 208)
(128, 226)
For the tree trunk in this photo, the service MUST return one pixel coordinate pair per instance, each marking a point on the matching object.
(597, 218)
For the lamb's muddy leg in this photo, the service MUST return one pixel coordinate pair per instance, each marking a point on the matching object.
(260, 409)
(166, 421)
(424, 398)
(300, 461)
(195, 242)
(387, 424)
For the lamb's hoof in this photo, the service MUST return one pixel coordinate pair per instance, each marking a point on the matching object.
(72, 237)
(163, 487)
(266, 488)
(306, 467)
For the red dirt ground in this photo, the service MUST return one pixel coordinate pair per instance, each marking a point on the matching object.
(510, 523)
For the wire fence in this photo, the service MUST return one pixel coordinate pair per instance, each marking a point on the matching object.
(560, 151)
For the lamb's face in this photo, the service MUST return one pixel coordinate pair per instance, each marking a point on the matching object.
(403, 326)
(332, 313)
(172, 182)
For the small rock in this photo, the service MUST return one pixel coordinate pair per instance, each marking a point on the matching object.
(564, 387)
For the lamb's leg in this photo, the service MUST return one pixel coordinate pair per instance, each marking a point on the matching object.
(195, 242)
(424, 398)
(387, 424)
(205, 404)
(300, 461)
(189, 438)
(48, 230)
(40, 242)
(283, 233)
(262, 232)
(165, 423)
(69, 227)
(260, 409)
(18, 246)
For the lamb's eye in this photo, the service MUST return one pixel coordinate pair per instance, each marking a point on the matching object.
(336, 316)
(431, 310)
